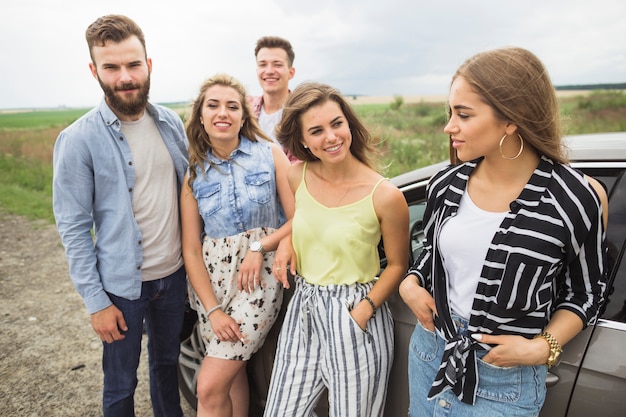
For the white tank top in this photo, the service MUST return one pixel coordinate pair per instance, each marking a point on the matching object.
(463, 242)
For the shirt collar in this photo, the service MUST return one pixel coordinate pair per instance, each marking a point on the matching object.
(537, 184)
(530, 195)
(245, 147)
(111, 119)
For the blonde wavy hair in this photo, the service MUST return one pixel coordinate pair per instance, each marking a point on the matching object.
(199, 140)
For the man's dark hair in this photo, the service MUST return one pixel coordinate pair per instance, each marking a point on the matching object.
(112, 28)
(276, 42)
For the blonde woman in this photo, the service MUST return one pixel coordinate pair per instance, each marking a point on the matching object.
(234, 205)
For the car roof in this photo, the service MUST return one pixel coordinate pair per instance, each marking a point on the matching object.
(579, 148)
(596, 147)
(419, 174)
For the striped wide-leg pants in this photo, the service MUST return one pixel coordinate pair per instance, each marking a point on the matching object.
(320, 345)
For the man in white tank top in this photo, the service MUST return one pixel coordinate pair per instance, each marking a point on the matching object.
(274, 69)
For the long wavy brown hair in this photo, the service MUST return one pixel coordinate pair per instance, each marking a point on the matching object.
(199, 140)
(517, 86)
(311, 94)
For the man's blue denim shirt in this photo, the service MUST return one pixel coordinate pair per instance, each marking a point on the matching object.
(92, 187)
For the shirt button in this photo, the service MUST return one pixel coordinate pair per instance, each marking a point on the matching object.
(130, 190)
(139, 242)
(443, 403)
(138, 267)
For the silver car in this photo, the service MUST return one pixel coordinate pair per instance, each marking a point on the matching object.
(590, 378)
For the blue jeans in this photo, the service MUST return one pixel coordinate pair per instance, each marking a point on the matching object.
(502, 392)
(162, 305)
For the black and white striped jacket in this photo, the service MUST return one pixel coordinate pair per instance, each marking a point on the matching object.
(549, 253)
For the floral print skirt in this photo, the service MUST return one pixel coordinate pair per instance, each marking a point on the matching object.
(255, 312)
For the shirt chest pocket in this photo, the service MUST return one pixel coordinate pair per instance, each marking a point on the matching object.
(527, 283)
(259, 187)
(209, 199)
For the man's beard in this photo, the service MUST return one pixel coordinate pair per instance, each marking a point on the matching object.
(131, 105)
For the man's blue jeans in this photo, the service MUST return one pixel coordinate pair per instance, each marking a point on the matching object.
(162, 305)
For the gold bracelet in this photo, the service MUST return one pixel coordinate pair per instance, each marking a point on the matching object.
(555, 348)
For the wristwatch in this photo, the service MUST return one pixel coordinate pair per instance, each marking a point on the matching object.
(256, 246)
(555, 348)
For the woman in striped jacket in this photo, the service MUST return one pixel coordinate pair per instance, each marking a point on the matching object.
(514, 263)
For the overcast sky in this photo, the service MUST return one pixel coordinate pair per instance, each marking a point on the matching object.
(370, 47)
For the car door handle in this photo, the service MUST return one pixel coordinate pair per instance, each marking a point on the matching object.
(551, 379)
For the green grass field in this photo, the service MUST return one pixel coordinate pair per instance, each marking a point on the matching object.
(410, 135)
(42, 119)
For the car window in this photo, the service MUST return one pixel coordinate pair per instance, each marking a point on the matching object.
(615, 308)
(416, 214)
(615, 183)
(416, 236)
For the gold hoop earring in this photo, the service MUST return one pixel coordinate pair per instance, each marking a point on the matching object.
(521, 148)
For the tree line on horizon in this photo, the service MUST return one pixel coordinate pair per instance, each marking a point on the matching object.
(610, 86)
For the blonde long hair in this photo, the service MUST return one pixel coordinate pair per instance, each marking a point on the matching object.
(199, 141)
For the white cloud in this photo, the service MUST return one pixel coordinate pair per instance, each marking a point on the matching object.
(370, 47)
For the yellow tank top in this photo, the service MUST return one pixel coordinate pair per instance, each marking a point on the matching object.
(335, 245)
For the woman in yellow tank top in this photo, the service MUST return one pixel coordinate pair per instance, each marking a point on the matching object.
(338, 331)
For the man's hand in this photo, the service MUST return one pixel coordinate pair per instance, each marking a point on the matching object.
(108, 323)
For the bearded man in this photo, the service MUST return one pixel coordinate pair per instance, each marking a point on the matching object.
(118, 172)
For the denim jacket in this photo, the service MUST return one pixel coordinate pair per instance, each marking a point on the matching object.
(92, 186)
(238, 194)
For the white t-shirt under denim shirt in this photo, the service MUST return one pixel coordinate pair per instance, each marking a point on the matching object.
(464, 241)
(94, 175)
(155, 200)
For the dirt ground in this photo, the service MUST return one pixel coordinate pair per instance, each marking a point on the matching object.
(49, 355)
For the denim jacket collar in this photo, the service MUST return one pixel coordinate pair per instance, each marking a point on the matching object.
(111, 119)
(244, 147)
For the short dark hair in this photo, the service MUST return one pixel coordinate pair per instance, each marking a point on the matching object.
(112, 28)
(276, 42)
